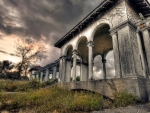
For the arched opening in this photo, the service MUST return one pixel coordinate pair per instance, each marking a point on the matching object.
(78, 69)
(82, 60)
(98, 68)
(102, 45)
(68, 63)
(110, 68)
(69, 52)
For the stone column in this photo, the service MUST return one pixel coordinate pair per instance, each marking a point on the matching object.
(41, 77)
(116, 55)
(37, 76)
(68, 70)
(104, 68)
(130, 61)
(90, 59)
(54, 71)
(62, 68)
(146, 38)
(74, 64)
(84, 72)
(47, 74)
(142, 54)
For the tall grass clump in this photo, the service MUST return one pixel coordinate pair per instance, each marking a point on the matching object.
(52, 99)
(122, 99)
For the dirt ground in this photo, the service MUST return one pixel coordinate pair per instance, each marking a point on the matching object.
(141, 108)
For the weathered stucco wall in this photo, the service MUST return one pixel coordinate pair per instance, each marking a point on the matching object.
(137, 86)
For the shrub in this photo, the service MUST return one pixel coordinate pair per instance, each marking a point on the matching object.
(123, 99)
(78, 78)
(50, 82)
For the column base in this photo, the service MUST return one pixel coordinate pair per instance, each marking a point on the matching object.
(91, 79)
(132, 76)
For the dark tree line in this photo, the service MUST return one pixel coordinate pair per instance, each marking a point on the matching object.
(6, 69)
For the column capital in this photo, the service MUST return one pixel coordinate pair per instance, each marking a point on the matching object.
(74, 52)
(62, 57)
(113, 33)
(103, 61)
(90, 44)
(143, 24)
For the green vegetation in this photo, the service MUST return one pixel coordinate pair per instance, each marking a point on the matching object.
(51, 99)
(123, 99)
(16, 86)
(58, 99)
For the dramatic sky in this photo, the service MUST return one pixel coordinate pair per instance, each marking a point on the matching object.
(46, 21)
(43, 20)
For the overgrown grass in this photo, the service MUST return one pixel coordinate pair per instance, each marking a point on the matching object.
(29, 95)
(62, 100)
(14, 85)
(122, 99)
(51, 99)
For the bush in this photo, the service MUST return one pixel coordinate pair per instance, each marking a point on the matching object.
(123, 99)
(78, 78)
(50, 82)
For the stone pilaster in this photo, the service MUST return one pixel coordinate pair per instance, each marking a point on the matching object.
(90, 59)
(116, 55)
(130, 61)
(74, 64)
(142, 54)
(146, 38)
(144, 27)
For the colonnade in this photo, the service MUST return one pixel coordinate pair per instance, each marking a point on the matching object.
(44, 73)
(129, 55)
(86, 69)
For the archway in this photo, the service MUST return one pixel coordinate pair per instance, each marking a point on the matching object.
(102, 44)
(110, 68)
(97, 68)
(68, 63)
(82, 50)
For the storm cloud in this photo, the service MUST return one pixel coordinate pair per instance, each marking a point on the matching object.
(43, 19)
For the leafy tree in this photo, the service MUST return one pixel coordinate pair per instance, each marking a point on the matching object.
(29, 51)
(5, 66)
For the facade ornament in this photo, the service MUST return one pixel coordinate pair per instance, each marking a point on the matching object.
(74, 52)
(141, 16)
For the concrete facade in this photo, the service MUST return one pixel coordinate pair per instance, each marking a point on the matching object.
(119, 25)
(107, 88)
(116, 29)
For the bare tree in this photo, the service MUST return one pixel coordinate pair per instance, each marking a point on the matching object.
(29, 51)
